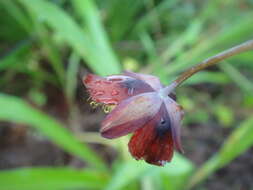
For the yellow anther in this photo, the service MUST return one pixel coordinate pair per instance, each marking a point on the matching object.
(94, 104)
(107, 108)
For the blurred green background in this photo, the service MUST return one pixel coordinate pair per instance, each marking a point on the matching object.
(49, 133)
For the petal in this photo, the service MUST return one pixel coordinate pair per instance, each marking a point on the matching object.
(176, 113)
(153, 142)
(115, 88)
(130, 115)
(153, 81)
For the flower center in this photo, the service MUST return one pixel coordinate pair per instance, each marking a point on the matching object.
(163, 127)
(107, 108)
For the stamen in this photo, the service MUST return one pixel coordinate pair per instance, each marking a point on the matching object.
(94, 104)
(107, 108)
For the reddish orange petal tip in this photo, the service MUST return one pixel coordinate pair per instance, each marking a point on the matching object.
(155, 150)
(88, 78)
(153, 142)
(114, 88)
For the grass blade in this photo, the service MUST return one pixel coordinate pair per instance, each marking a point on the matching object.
(132, 171)
(71, 34)
(88, 12)
(241, 81)
(12, 59)
(239, 141)
(71, 77)
(16, 110)
(208, 77)
(17, 13)
(51, 178)
(229, 36)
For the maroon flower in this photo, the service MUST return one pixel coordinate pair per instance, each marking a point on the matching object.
(143, 107)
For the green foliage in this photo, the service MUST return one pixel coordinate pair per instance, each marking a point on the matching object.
(51, 178)
(238, 142)
(180, 168)
(103, 62)
(16, 110)
(49, 44)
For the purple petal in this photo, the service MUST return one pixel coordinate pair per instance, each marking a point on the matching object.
(175, 112)
(153, 81)
(130, 115)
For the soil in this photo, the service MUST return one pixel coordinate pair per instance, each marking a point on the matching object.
(201, 142)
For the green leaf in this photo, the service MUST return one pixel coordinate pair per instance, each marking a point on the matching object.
(224, 115)
(228, 36)
(89, 13)
(208, 77)
(53, 53)
(127, 173)
(16, 12)
(51, 178)
(13, 59)
(121, 17)
(238, 142)
(71, 77)
(14, 109)
(131, 171)
(72, 34)
(241, 81)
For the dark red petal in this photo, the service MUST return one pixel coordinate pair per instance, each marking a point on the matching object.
(131, 114)
(115, 88)
(153, 142)
(153, 81)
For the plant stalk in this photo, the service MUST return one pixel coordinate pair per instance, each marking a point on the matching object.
(246, 46)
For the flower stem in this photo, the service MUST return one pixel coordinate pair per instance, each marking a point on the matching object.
(248, 45)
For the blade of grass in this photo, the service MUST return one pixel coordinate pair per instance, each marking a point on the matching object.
(17, 60)
(89, 14)
(131, 171)
(231, 34)
(187, 38)
(16, 12)
(71, 77)
(241, 81)
(51, 178)
(53, 54)
(244, 60)
(121, 17)
(153, 58)
(238, 142)
(209, 77)
(64, 25)
(10, 60)
(162, 7)
(14, 109)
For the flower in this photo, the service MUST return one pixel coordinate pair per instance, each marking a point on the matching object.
(143, 107)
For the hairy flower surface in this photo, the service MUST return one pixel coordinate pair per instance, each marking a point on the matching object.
(142, 108)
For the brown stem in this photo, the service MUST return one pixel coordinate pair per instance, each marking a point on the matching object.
(248, 45)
